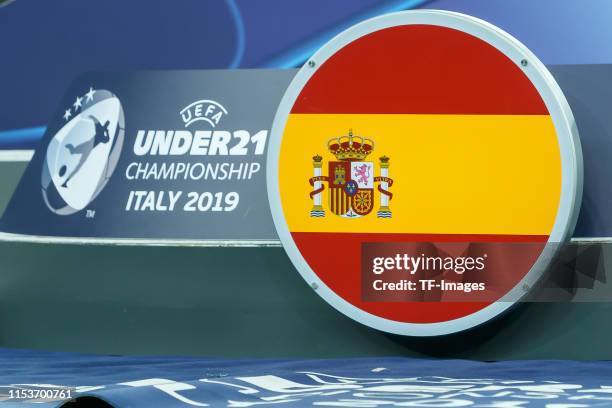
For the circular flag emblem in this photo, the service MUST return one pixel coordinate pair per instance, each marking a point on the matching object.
(423, 169)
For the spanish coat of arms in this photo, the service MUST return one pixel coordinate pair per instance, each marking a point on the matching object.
(351, 179)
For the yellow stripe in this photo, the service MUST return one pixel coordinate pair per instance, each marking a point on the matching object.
(454, 174)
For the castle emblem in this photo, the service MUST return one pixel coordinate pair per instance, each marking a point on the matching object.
(351, 179)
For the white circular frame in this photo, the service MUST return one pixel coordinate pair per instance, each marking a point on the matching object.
(567, 136)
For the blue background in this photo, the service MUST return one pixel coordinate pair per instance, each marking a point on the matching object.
(46, 44)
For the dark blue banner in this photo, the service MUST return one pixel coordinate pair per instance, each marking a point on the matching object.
(366, 382)
(158, 154)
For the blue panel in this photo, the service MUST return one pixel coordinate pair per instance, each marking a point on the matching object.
(557, 31)
(51, 42)
(46, 44)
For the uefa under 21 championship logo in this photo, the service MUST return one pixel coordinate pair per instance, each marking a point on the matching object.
(351, 179)
(84, 152)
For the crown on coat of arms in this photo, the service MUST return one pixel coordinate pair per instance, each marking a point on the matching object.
(350, 147)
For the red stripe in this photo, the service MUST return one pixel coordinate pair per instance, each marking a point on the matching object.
(340, 270)
(420, 69)
(385, 237)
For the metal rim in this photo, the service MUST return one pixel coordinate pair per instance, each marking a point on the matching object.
(567, 137)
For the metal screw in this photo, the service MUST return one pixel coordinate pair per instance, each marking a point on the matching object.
(311, 64)
(524, 62)
(526, 287)
(314, 285)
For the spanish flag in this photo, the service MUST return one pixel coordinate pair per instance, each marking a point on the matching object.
(471, 148)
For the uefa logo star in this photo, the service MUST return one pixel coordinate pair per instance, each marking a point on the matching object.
(84, 152)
